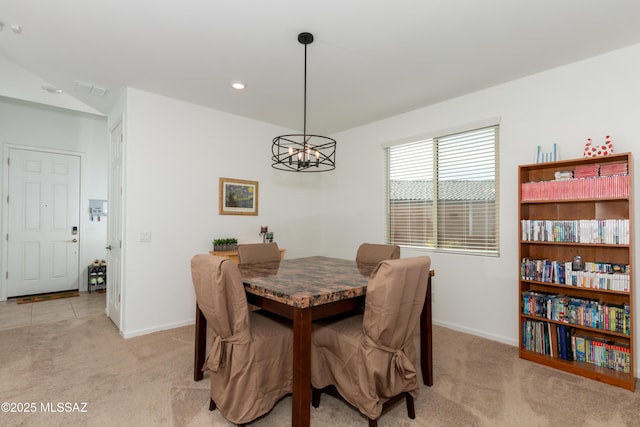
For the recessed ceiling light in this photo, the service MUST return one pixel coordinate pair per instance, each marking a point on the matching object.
(238, 85)
(52, 89)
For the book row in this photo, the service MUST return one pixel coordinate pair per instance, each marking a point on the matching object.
(570, 189)
(563, 342)
(608, 231)
(613, 169)
(595, 275)
(593, 170)
(578, 311)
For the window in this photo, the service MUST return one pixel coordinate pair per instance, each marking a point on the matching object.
(443, 192)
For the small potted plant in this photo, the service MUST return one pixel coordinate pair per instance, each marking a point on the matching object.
(225, 245)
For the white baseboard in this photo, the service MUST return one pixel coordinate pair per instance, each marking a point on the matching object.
(145, 331)
(478, 333)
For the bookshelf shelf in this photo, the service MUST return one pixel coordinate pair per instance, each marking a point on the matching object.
(576, 326)
(587, 218)
(604, 375)
(553, 201)
(561, 286)
(602, 245)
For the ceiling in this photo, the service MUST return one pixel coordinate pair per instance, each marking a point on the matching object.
(371, 59)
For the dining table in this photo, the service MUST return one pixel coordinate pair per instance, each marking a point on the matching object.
(305, 290)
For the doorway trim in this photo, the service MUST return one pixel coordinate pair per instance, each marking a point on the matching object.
(120, 120)
(5, 217)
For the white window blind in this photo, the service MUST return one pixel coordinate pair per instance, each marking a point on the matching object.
(442, 192)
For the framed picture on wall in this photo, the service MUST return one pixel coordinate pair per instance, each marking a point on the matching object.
(238, 197)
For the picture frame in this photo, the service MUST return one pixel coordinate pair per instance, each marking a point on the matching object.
(238, 197)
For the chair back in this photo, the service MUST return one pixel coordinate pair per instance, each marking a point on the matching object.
(254, 253)
(395, 297)
(373, 253)
(220, 294)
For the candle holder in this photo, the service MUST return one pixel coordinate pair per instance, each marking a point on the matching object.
(263, 232)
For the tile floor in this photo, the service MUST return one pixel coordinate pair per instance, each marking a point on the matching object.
(14, 315)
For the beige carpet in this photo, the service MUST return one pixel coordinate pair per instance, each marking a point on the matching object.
(147, 381)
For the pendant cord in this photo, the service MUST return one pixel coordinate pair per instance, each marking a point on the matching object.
(305, 96)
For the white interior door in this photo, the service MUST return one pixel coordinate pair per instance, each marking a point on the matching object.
(114, 225)
(43, 222)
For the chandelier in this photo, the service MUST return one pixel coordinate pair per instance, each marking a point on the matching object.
(304, 152)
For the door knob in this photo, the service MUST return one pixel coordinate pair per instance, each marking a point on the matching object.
(108, 247)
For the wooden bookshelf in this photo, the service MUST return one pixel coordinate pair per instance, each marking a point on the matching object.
(582, 312)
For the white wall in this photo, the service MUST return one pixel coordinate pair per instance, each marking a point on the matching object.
(175, 153)
(476, 294)
(36, 125)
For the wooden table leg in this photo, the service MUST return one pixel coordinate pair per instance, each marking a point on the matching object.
(200, 344)
(426, 345)
(301, 396)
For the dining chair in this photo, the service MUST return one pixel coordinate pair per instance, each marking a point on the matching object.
(252, 253)
(250, 359)
(373, 253)
(370, 359)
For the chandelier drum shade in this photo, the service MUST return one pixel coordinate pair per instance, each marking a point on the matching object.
(304, 152)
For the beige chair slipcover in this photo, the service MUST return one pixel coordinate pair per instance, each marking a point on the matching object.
(253, 253)
(373, 253)
(250, 360)
(371, 357)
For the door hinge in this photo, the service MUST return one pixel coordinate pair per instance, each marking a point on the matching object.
(8, 161)
(7, 199)
(7, 237)
(120, 244)
(6, 275)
